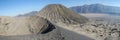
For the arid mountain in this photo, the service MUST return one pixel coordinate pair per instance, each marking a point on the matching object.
(58, 13)
(97, 8)
(93, 8)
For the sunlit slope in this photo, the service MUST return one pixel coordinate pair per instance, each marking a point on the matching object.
(59, 13)
(22, 25)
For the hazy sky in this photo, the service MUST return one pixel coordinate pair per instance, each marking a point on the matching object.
(15, 7)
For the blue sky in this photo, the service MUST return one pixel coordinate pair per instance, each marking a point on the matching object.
(15, 7)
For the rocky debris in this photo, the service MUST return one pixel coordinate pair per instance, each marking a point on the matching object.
(102, 30)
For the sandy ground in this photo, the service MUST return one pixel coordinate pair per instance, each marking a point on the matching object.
(56, 34)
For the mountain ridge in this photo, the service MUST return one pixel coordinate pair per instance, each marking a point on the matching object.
(97, 8)
(92, 8)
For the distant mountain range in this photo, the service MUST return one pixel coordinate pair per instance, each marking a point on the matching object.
(93, 8)
(28, 14)
(97, 8)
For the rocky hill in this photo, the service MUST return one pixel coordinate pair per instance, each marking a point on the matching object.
(58, 13)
